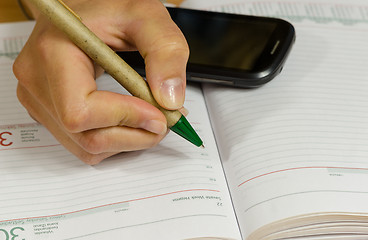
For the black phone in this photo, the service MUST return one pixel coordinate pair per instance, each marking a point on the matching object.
(231, 49)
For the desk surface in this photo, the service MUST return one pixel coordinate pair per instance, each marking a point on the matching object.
(10, 11)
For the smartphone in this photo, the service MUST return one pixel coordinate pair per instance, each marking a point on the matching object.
(230, 49)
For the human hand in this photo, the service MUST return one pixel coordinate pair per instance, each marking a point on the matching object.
(57, 80)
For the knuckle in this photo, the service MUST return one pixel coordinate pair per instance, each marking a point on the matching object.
(17, 68)
(20, 69)
(130, 118)
(92, 143)
(173, 45)
(42, 45)
(74, 120)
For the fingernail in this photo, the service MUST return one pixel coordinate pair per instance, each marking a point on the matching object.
(172, 94)
(155, 126)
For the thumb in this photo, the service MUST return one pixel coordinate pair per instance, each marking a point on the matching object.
(166, 52)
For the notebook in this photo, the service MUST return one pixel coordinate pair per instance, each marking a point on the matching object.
(287, 160)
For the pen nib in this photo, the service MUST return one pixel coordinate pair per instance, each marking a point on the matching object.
(202, 146)
(184, 129)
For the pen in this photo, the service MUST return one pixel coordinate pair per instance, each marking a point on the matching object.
(70, 23)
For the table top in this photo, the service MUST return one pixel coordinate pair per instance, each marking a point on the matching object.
(10, 11)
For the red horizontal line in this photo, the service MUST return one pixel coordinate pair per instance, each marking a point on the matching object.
(110, 204)
(298, 168)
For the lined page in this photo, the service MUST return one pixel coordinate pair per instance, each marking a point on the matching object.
(323, 12)
(13, 37)
(299, 144)
(172, 191)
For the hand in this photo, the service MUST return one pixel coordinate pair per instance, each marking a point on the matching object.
(57, 80)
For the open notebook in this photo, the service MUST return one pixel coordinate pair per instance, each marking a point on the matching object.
(286, 160)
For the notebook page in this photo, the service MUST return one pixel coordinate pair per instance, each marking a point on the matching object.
(173, 191)
(296, 11)
(12, 41)
(298, 145)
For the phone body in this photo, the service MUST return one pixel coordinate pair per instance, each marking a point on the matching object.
(230, 49)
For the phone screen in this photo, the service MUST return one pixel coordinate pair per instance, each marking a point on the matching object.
(230, 49)
(212, 40)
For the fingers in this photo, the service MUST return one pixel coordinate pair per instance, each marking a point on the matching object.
(94, 145)
(36, 110)
(166, 52)
(81, 107)
(58, 89)
(57, 80)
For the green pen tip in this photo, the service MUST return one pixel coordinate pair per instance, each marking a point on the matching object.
(184, 129)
